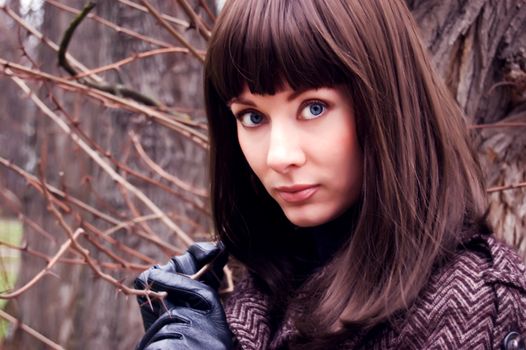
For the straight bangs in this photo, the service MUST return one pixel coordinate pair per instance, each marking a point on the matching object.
(267, 45)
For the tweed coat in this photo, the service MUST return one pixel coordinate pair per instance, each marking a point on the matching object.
(475, 301)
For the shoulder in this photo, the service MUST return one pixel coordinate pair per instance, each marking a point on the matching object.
(247, 314)
(508, 279)
(475, 300)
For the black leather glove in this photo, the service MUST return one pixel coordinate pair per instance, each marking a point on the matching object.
(192, 316)
(198, 255)
(199, 325)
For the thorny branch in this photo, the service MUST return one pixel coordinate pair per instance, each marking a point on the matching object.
(172, 31)
(113, 26)
(180, 123)
(65, 246)
(101, 162)
(117, 90)
(196, 20)
(30, 331)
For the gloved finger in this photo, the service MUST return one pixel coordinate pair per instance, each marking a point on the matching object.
(186, 328)
(183, 291)
(213, 254)
(198, 255)
(204, 252)
(163, 328)
(167, 281)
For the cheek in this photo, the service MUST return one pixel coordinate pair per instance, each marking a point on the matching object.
(253, 151)
(347, 162)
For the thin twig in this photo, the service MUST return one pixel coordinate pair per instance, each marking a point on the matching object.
(110, 266)
(125, 264)
(122, 165)
(8, 201)
(90, 262)
(128, 60)
(112, 25)
(207, 9)
(171, 19)
(164, 174)
(506, 187)
(196, 20)
(101, 162)
(68, 34)
(30, 331)
(33, 181)
(172, 31)
(121, 246)
(63, 248)
(182, 124)
(498, 125)
(46, 40)
(118, 90)
(135, 212)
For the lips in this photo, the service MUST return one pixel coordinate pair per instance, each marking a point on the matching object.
(296, 193)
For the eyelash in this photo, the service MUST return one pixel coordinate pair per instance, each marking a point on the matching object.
(239, 116)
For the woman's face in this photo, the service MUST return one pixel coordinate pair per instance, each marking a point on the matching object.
(302, 146)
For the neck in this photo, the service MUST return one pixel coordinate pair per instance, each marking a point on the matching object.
(319, 244)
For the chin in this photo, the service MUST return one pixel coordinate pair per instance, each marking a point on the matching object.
(312, 215)
(305, 220)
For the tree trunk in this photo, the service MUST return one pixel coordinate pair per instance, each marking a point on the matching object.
(478, 47)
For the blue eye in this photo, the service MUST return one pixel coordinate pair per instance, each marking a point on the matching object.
(313, 110)
(250, 119)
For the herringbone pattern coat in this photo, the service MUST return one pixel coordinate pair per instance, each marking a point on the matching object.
(473, 302)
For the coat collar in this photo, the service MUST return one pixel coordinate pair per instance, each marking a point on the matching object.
(247, 313)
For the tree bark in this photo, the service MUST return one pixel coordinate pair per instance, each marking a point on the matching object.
(479, 48)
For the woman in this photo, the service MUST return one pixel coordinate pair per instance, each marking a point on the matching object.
(343, 179)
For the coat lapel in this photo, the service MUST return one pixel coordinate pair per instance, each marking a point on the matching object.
(247, 313)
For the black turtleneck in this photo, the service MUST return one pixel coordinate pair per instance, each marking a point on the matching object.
(319, 244)
(312, 248)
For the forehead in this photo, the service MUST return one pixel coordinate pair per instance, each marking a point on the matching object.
(286, 90)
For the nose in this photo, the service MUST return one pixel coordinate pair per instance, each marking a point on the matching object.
(285, 149)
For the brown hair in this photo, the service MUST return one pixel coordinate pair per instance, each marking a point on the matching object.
(422, 188)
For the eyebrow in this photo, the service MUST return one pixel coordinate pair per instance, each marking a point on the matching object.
(293, 95)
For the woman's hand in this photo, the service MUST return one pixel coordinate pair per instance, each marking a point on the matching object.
(198, 324)
(191, 316)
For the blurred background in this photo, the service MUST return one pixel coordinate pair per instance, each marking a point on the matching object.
(103, 148)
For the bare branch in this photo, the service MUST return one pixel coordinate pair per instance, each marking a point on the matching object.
(118, 90)
(506, 187)
(65, 246)
(110, 266)
(112, 25)
(44, 39)
(128, 60)
(172, 31)
(68, 34)
(179, 183)
(498, 125)
(170, 19)
(30, 331)
(207, 9)
(196, 20)
(101, 162)
(90, 262)
(182, 125)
